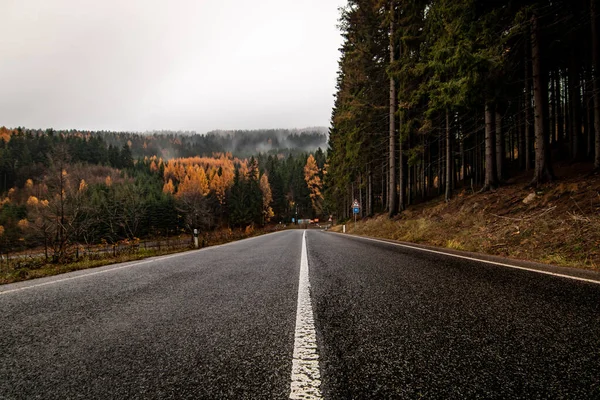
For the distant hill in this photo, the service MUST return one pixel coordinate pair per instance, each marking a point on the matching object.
(173, 144)
(244, 143)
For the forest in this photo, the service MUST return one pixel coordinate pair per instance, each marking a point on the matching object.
(435, 96)
(62, 190)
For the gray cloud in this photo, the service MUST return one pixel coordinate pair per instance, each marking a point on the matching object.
(180, 64)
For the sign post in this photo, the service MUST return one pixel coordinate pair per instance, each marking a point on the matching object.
(196, 238)
(355, 210)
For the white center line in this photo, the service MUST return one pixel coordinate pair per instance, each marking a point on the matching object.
(306, 378)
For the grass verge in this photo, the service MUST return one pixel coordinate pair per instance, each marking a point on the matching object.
(559, 224)
(21, 269)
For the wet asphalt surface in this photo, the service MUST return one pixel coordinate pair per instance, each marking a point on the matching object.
(219, 323)
(216, 323)
(404, 324)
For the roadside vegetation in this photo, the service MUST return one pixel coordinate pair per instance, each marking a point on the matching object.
(33, 263)
(556, 223)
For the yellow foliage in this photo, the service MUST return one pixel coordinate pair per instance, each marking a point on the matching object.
(32, 201)
(5, 133)
(313, 181)
(169, 187)
(82, 185)
(1, 230)
(265, 188)
(23, 224)
(108, 181)
(29, 184)
(200, 174)
(195, 182)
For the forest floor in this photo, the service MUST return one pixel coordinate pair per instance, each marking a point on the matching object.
(557, 223)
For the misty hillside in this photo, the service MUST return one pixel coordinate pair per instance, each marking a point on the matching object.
(241, 143)
(174, 144)
(244, 143)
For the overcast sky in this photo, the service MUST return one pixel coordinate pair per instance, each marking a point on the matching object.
(175, 64)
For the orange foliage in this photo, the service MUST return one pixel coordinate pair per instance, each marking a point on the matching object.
(201, 174)
(32, 201)
(265, 188)
(194, 182)
(313, 181)
(169, 187)
(5, 133)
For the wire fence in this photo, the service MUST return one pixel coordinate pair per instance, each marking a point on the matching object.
(75, 252)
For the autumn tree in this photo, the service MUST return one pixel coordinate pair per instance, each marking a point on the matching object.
(313, 181)
(267, 198)
(191, 195)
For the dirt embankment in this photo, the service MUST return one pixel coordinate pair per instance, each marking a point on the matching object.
(557, 223)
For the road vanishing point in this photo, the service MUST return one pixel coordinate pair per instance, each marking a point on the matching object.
(306, 315)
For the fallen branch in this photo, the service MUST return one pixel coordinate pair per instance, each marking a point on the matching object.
(512, 219)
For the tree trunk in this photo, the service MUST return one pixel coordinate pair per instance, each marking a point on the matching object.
(552, 109)
(491, 175)
(402, 170)
(585, 115)
(383, 186)
(448, 158)
(392, 195)
(559, 110)
(476, 154)
(543, 172)
(574, 101)
(409, 181)
(369, 192)
(360, 196)
(499, 147)
(589, 115)
(439, 166)
(511, 147)
(463, 168)
(423, 171)
(527, 106)
(521, 137)
(596, 84)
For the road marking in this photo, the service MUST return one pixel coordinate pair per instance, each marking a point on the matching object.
(306, 378)
(485, 261)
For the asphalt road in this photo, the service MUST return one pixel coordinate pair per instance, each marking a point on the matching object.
(222, 322)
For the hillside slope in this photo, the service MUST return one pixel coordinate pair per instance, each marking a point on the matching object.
(557, 223)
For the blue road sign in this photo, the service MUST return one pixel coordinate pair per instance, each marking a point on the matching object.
(356, 210)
